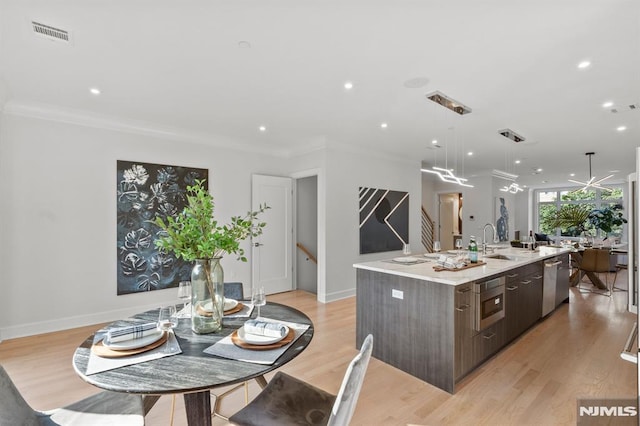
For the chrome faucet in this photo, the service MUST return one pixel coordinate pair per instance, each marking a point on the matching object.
(484, 236)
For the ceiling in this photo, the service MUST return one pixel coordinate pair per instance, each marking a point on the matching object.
(215, 71)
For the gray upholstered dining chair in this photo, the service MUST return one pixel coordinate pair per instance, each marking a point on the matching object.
(104, 408)
(290, 401)
(234, 290)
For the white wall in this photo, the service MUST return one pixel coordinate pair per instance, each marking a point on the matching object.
(347, 170)
(478, 202)
(58, 215)
(524, 211)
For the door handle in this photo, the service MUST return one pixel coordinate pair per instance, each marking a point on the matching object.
(257, 244)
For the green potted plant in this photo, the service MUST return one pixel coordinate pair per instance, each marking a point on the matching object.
(196, 236)
(572, 219)
(607, 218)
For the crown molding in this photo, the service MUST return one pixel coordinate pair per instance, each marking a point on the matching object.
(99, 121)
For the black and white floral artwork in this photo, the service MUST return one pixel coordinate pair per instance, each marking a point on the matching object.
(145, 191)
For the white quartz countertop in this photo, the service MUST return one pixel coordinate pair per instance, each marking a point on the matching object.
(424, 270)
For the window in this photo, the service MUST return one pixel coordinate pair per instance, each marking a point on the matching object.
(574, 205)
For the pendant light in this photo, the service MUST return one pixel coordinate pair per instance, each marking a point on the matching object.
(513, 187)
(445, 174)
(591, 183)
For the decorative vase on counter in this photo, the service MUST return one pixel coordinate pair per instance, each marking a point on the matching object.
(207, 296)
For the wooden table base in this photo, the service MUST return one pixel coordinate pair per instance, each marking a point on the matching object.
(199, 412)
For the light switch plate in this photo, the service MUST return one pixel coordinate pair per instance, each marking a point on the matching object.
(397, 294)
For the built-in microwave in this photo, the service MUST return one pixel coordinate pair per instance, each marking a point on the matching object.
(488, 302)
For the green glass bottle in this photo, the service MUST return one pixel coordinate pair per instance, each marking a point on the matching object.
(473, 250)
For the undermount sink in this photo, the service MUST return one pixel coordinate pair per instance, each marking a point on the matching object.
(500, 257)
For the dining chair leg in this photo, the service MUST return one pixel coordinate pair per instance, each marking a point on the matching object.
(262, 382)
(219, 397)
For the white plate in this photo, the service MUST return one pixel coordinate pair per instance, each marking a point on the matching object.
(405, 259)
(255, 339)
(230, 304)
(126, 345)
(455, 251)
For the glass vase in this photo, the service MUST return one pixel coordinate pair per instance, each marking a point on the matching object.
(207, 296)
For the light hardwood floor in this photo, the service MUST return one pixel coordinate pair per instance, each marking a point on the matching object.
(573, 353)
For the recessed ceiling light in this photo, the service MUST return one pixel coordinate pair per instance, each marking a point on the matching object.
(384, 125)
(572, 174)
(262, 128)
(517, 161)
(470, 153)
(544, 181)
(434, 142)
(607, 104)
(584, 64)
(94, 91)
(348, 85)
(621, 128)
(244, 44)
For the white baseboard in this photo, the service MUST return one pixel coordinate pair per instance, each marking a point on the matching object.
(51, 325)
(339, 295)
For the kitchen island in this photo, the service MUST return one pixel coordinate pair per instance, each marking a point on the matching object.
(439, 326)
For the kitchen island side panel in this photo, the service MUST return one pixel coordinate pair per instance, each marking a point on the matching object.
(415, 333)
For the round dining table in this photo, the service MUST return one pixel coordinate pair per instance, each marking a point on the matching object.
(192, 372)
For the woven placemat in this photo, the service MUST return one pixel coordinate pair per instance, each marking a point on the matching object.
(244, 345)
(101, 350)
(206, 313)
(238, 308)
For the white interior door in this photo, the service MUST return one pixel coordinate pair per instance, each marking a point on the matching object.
(271, 260)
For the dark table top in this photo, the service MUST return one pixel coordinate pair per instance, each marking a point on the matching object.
(192, 370)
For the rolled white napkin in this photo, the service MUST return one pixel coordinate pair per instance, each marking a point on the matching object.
(263, 328)
(131, 332)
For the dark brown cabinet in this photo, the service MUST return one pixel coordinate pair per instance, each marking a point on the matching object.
(514, 301)
(523, 301)
(427, 329)
(463, 341)
(488, 341)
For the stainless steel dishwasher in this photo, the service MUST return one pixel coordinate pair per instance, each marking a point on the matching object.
(555, 287)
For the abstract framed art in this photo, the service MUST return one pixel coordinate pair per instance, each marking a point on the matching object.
(384, 220)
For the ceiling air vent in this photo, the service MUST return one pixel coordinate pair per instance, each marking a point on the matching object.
(510, 134)
(447, 102)
(50, 33)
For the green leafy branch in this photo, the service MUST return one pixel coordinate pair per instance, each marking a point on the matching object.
(195, 234)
